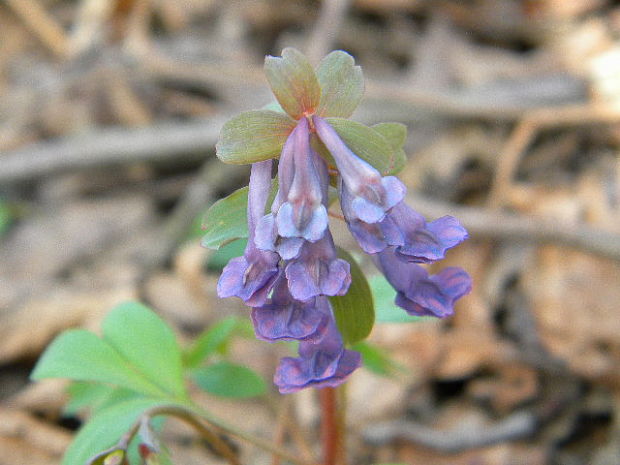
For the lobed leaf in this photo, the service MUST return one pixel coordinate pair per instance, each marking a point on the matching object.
(105, 428)
(342, 85)
(396, 135)
(354, 311)
(148, 343)
(253, 136)
(366, 143)
(227, 379)
(293, 82)
(80, 355)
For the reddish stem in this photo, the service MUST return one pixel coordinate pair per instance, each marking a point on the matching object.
(330, 433)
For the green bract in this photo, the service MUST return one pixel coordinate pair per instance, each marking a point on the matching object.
(333, 91)
(355, 311)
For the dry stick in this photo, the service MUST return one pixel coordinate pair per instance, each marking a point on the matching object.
(326, 28)
(41, 24)
(483, 223)
(527, 128)
(280, 432)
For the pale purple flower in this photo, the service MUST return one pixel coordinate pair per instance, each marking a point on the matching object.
(420, 294)
(404, 228)
(371, 194)
(299, 212)
(325, 363)
(251, 276)
(318, 271)
(285, 318)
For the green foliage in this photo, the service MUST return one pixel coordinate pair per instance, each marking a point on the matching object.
(105, 428)
(253, 136)
(226, 379)
(366, 143)
(219, 259)
(293, 82)
(211, 341)
(354, 312)
(376, 360)
(396, 135)
(6, 216)
(386, 310)
(147, 343)
(226, 220)
(342, 85)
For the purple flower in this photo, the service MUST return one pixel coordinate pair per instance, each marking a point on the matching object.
(325, 363)
(420, 294)
(371, 194)
(318, 271)
(284, 318)
(415, 239)
(299, 212)
(251, 276)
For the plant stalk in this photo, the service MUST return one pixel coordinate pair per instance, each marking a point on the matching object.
(330, 430)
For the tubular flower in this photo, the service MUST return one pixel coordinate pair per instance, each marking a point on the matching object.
(420, 294)
(251, 276)
(291, 273)
(325, 363)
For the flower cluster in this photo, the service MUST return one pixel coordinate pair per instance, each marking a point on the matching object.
(290, 267)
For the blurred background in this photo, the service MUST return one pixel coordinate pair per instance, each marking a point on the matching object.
(109, 112)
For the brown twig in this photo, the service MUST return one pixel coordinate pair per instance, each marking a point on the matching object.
(484, 223)
(41, 24)
(525, 131)
(112, 146)
(330, 436)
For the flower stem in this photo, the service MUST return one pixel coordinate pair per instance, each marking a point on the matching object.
(330, 431)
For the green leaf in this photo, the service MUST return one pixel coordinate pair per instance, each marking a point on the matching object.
(342, 85)
(366, 143)
(143, 339)
(105, 428)
(293, 82)
(253, 136)
(83, 394)
(80, 355)
(6, 216)
(227, 379)
(376, 360)
(384, 295)
(211, 341)
(354, 311)
(396, 135)
(226, 220)
(224, 254)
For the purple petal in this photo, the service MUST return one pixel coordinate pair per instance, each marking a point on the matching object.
(430, 243)
(302, 222)
(318, 271)
(250, 277)
(289, 319)
(325, 363)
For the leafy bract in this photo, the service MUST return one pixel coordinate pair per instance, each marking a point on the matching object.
(293, 82)
(354, 311)
(342, 85)
(226, 220)
(395, 134)
(253, 136)
(226, 379)
(105, 428)
(366, 143)
(144, 340)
